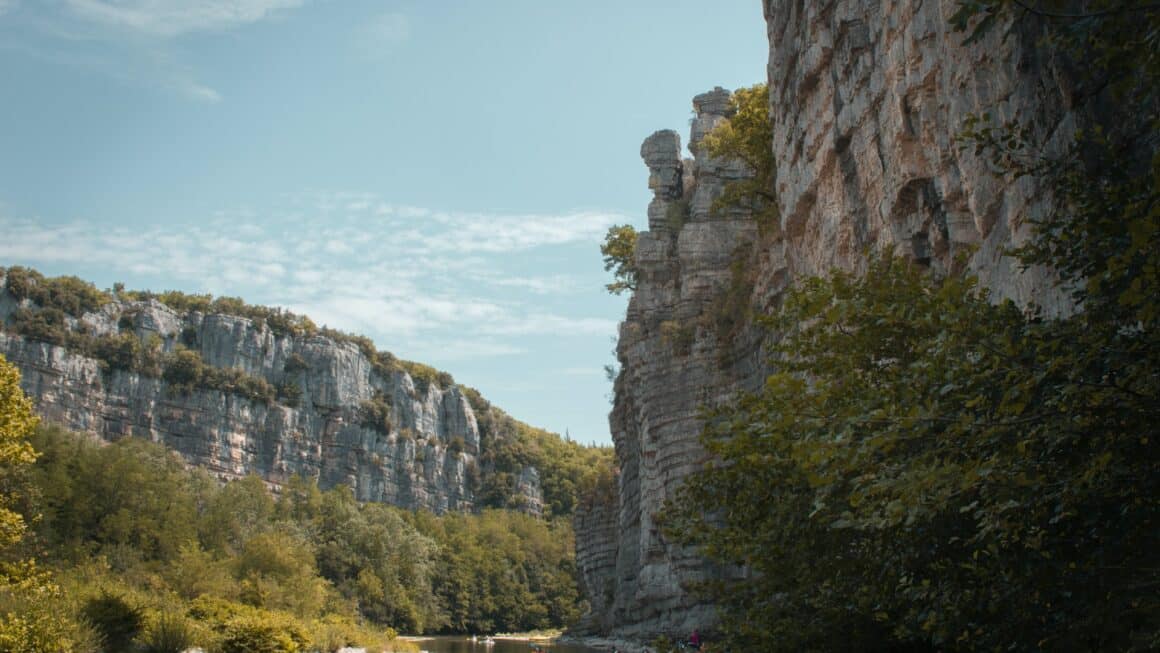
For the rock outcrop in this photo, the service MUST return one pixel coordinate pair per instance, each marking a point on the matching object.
(678, 353)
(866, 100)
(425, 455)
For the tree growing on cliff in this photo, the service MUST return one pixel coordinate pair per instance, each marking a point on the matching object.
(619, 250)
(747, 135)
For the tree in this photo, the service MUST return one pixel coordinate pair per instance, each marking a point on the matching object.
(619, 257)
(17, 422)
(747, 135)
(31, 618)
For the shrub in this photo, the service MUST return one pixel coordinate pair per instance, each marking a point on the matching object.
(184, 371)
(115, 619)
(68, 294)
(169, 633)
(122, 351)
(295, 363)
(289, 393)
(263, 632)
(376, 414)
(457, 445)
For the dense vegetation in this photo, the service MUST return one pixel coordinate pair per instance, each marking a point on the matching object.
(930, 469)
(128, 527)
(566, 468)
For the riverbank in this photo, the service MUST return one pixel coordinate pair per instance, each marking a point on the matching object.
(606, 643)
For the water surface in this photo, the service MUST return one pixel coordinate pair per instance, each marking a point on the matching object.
(465, 645)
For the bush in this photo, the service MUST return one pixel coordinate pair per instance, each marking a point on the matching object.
(376, 414)
(68, 294)
(184, 371)
(290, 393)
(295, 363)
(263, 632)
(115, 619)
(169, 633)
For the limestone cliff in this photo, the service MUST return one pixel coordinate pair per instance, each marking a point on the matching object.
(418, 447)
(866, 99)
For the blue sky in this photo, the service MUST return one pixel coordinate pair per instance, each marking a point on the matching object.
(435, 174)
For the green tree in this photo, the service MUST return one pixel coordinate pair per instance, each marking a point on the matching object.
(31, 615)
(619, 251)
(17, 422)
(747, 135)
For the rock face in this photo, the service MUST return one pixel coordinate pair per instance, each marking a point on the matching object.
(426, 458)
(677, 354)
(866, 100)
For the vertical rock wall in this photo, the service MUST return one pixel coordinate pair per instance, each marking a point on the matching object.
(866, 100)
(428, 458)
(675, 358)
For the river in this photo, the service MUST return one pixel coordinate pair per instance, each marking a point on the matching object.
(465, 645)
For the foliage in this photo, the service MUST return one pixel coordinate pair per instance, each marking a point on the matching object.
(425, 376)
(508, 446)
(503, 571)
(281, 322)
(29, 618)
(376, 413)
(185, 371)
(930, 470)
(67, 294)
(678, 336)
(619, 251)
(117, 620)
(289, 393)
(927, 468)
(17, 422)
(131, 516)
(747, 135)
(169, 633)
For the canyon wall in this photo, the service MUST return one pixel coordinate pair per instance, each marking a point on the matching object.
(866, 100)
(426, 454)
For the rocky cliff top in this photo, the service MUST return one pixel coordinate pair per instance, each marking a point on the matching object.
(242, 389)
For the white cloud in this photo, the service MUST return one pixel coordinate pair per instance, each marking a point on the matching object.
(453, 279)
(167, 18)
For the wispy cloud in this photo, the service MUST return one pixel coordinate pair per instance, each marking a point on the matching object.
(131, 41)
(382, 34)
(168, 18)
(454, 282)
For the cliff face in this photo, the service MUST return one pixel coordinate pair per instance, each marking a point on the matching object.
(428, 456)
(678, 352)
(866, 100)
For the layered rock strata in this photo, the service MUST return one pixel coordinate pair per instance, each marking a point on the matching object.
(426, 458)
(867, 100)
(676, 357)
